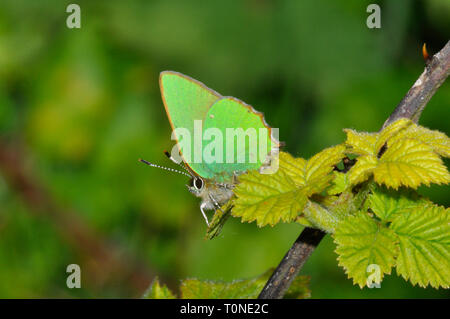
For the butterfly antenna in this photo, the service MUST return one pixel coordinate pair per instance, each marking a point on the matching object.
(166, 168)
(182, 164)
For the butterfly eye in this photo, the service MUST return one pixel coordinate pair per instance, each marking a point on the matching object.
(198, 183)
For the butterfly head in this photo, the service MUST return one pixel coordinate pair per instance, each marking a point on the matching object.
(196, 185)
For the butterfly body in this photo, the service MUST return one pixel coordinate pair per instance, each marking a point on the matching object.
(213, 194)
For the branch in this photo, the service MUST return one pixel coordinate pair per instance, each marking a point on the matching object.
(291, 264)
(412, 105)
(435, 73)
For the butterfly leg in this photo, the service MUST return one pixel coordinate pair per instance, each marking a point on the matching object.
(215, 203)
(202, 206)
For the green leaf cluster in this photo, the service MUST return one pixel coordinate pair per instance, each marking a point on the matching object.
(368, 203)
(282, 196)
(396, 230)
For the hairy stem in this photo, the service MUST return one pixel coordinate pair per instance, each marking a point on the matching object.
(411, 106)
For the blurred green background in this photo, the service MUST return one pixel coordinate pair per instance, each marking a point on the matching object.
(78, 107)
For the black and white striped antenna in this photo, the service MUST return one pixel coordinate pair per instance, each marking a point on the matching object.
(166, 168)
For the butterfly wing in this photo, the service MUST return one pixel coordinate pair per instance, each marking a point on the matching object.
(231, 113)
(186, 100)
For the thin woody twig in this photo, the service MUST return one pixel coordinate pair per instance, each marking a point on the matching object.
(435, 73)
(291, 264)
(412, 105)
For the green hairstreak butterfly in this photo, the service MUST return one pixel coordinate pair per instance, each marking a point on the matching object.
(189, 103)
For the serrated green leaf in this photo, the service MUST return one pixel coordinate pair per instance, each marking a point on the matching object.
(362, 242)
(361, 143)
(409, 162)
(268, 198)
(271, 198)
(438, 141)
(158, 291)
(403, 154)
(406, 162)
(314, 172)
(362, 169)
(318, 168)
(238, 289)
(393, 129)
(294, 168)
(386, 203)
(424, 241)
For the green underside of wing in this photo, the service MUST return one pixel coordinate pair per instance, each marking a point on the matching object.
(186, 100)
(230, 113)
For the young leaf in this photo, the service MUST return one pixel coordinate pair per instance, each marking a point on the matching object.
(387, 204)
(406, 162)
(362, 242)
(269, 198)
(328, 211)
(158, 291)
(361, 143)
(438, 141)
(363, 169)
(403, 154)
(409, 162)
(218, 220)
(320, 217)
(393, 129)
(317, 172)
(424, 240)
(362, 192)
(340, 183)
(238, 289)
